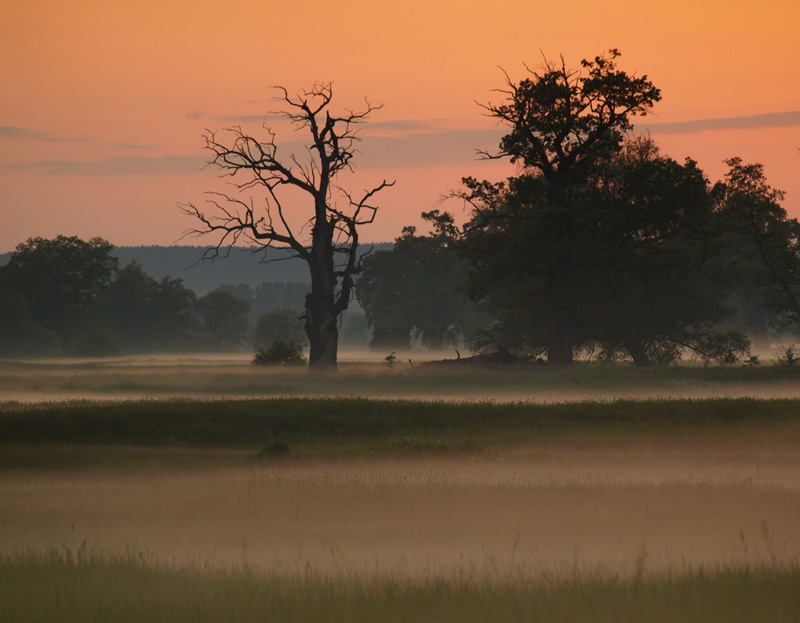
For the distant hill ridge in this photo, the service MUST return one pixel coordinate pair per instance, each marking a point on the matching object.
(242, 265)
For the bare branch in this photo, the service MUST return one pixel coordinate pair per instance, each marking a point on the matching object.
(330, 232)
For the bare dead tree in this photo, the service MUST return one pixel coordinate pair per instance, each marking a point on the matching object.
(335, 215)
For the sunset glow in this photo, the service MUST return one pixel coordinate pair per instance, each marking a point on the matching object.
(104, 103)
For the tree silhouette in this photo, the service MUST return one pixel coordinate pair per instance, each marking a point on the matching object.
(563, 124)
(335, 215)
(63, 280)
(761, 230)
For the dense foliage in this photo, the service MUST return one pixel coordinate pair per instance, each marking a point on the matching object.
(69, 297)
(62, 282)
(601, 242)
(417, 287)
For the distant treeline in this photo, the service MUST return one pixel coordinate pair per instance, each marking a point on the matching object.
(66, 296)
(248, 266)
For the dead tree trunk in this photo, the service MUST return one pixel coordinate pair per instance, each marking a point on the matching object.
(336, 216)
(320, 308)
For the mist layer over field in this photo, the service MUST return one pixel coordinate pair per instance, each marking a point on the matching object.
(607, 503)
(132, 487)
(446, 518)
(361, 375)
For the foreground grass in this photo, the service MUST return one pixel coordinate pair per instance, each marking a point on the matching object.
(80, 586)
(82, 433)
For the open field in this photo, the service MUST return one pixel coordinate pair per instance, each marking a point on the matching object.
(342, 509)
(233, 376)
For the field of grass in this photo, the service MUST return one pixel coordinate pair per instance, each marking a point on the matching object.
(79, 586)
(236, 378)
(231, 501)
(48, 434)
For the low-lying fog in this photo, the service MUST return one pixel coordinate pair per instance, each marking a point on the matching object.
(553, 510)
(363, 373)
(582, 504)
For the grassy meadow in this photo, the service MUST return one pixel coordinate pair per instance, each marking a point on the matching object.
(204, 490)
(234, 377)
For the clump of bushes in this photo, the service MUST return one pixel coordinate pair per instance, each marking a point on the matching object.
(281, 352)
(788, 357)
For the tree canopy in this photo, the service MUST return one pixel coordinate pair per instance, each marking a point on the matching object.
(62, 281)
(418, 285)
(563, 124)
(764, 241)
(145, 314)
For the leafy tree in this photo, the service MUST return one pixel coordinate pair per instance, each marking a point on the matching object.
(243, 292)
(224, 319)
(145, 314)
(649, 219)
(764, 242)
(62, 280)
(563, 124)
(335, 215)
(21, 335)
(645, 278)
(416, 285)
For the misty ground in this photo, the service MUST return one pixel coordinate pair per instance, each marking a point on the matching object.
(366, 373)
(600, 499)
(574, 505)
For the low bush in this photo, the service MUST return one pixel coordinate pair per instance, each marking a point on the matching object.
(282, 353)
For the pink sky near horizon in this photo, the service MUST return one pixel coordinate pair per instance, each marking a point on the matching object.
(104, 103)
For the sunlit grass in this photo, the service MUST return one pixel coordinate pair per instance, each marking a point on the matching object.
(67, 586)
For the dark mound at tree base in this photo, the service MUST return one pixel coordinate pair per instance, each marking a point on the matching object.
(500, 358)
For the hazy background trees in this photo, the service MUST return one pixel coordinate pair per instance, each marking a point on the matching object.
(62, 282)
(417, 289)
(82, 310)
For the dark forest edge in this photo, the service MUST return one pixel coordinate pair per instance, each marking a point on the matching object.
(70, 297)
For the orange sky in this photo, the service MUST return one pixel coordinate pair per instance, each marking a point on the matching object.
(104, 102)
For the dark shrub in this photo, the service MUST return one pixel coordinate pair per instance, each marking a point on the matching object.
(281, 352)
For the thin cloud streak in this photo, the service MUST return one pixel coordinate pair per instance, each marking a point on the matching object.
(752, 122)
(397, 144)
(130, 165)
(252, 118)
(405, 125)
(8, 131)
